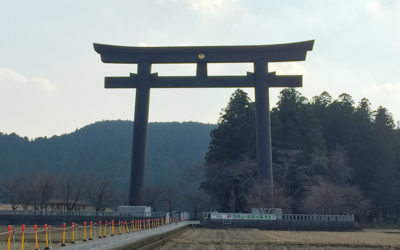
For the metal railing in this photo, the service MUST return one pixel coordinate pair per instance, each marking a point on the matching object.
(282, 217)
(316, 217)
(78, 213)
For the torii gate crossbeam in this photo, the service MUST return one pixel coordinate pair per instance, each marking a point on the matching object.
(261, 80)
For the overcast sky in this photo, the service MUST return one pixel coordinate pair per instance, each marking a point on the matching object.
(52, 81)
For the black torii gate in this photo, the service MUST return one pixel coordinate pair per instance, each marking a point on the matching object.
(261, 80)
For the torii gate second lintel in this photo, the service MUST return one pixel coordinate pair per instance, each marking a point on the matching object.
(261, 80)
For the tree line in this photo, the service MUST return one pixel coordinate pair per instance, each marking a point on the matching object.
(329, 156)
(44, 191)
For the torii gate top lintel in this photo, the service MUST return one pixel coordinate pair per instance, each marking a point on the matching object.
(201, 55)
(194, 54)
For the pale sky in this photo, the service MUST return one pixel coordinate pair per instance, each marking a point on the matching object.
(52, 81)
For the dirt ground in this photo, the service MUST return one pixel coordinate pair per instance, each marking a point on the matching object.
(202, 238)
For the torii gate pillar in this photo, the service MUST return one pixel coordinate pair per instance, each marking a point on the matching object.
(263, 130)
(138, 160)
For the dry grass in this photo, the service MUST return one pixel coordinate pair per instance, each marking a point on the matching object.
(263, 239)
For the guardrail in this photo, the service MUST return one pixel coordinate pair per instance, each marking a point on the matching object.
(280, 217)
(77, 213)
(316, 217)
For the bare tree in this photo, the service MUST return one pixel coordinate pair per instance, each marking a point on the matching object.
(339, 171)
(172, 197)
(191, 198)
(257, 198)
(293, 177)
(41, 190)
(329, 198)
(100, 193)
(195, 201)
(71, 190)
(12, 191)
(229, 183)
(154, 196)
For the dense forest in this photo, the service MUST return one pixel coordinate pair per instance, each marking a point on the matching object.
(329, 156)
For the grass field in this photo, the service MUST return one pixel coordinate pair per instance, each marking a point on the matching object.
(202, 238)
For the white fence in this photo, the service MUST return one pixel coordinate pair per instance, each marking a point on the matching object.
(316, 217)
(283, 217)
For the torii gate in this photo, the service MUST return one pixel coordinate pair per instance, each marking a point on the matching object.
(261, 80)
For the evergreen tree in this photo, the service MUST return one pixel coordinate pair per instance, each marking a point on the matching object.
(300, 125)
(362, 153)
(229, 174)
(387, 184)
(234, 137)
(338, 123)
(320, 105)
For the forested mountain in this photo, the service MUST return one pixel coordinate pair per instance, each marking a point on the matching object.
(104, 149)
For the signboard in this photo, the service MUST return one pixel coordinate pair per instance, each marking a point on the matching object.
(242, 216)
(184, 215)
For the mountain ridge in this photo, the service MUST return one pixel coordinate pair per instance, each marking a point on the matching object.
(104, 149)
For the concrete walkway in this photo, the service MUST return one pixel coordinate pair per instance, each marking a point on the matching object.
(119, 241)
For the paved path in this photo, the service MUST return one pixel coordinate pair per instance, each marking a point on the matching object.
(118, 241)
